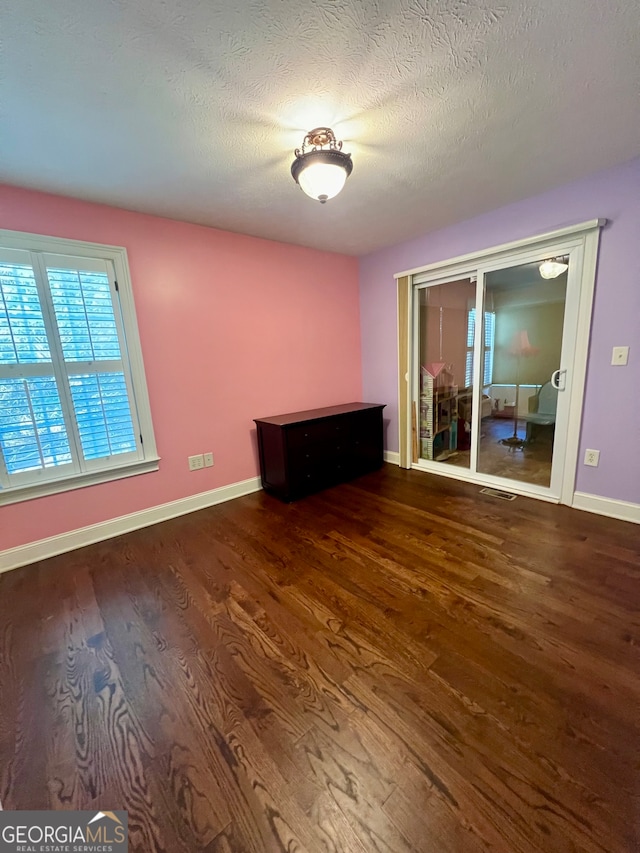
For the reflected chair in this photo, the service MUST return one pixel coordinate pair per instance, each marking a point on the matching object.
(542, 410)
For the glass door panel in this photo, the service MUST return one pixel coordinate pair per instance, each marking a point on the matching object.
(521, 349)
(443, 409)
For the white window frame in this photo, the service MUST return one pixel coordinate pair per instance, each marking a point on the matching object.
(147, 459)
(487, 351)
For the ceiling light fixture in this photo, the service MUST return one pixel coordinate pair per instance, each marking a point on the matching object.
(552, 268)
(321, 167)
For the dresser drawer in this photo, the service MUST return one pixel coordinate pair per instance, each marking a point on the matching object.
(326, 431)
(313, 449)
(316, 474)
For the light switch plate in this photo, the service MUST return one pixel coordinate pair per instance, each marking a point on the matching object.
(208, 460)
(620, 356)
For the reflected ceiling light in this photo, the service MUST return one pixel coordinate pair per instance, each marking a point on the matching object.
(552, 268)
(321, 167)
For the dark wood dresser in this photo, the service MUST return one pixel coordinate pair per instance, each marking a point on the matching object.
(303, 452)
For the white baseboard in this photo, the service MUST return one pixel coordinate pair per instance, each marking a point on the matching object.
(607, 506)
(392, 456)
(53, 545)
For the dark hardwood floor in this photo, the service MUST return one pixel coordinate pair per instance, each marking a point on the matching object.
(396, 664)
(529, 464)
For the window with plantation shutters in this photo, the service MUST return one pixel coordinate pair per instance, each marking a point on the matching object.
(487, 350)
(73, 401)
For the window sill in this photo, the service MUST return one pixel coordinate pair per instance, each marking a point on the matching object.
(77, 481)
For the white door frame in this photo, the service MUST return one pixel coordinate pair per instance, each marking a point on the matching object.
(581, 243)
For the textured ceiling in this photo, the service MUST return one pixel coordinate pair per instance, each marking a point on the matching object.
(192, 108)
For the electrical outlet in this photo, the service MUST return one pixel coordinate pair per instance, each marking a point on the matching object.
(620, 356)
(592, 457)
(208, 460)
(196, 462)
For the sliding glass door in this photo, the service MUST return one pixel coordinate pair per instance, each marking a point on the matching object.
(516, 431)
(492, 367)
(445, 335)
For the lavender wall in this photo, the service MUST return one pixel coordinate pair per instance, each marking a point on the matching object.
(611, 421)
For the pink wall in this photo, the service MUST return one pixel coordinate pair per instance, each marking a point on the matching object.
(443, 337)
(232, 328)
(611, 420)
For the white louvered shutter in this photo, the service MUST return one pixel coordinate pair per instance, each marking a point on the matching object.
(66, 396)
(489, 347)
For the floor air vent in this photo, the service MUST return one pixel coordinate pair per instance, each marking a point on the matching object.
(496, 493)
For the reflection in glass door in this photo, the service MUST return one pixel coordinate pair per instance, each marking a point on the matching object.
(497, 362)
(445, 319)
(517, 338)
(519, 376)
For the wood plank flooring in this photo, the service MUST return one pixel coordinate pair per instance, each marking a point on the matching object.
(529, 464)
(396, 664)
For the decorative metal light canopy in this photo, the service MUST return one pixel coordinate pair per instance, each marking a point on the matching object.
(321, 167)
(552, 268)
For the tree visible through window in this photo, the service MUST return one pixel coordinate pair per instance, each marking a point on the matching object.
(67, 400)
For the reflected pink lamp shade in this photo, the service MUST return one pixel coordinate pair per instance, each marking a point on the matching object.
(521, 347)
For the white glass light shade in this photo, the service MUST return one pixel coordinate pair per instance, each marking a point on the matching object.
(322, 180)
(321, 172)
(552, 269)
